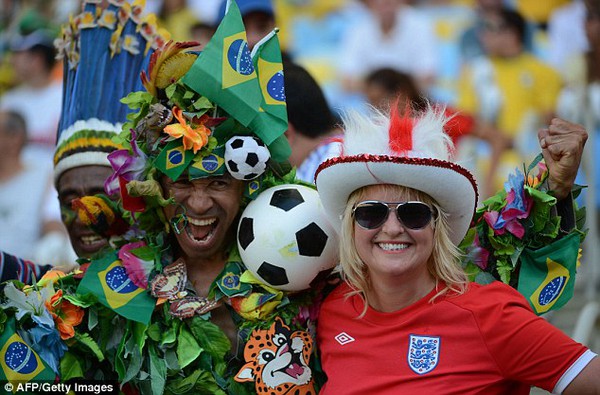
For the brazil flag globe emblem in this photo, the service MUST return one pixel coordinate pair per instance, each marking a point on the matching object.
(211, 164)
(237, 65)
(547, 275)
(107, 279)
(175, 157)
(20, 362)
(117, 286)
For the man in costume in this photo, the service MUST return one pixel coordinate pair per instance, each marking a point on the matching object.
(173, 309)
(92, 115)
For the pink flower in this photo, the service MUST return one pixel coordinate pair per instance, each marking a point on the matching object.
(126, 166)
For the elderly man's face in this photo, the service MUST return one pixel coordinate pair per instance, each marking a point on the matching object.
(76, 183)
(211, 206)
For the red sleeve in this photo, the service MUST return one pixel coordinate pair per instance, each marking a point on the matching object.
(459, 124)
(527, 348)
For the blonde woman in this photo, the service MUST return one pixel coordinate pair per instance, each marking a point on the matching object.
(405, 319)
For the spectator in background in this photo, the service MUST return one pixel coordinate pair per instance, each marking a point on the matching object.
(177, 18)
(201, 32)
(393, 34)
(13, 268)
(385, 86)
(471, 45)
(312, 129)
(510, 92)
(25, 225)
(38, 96)
(258, 16)
(581, 94)
(566, 35)
(580, 98)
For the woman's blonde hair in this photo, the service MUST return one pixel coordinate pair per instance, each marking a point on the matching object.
(444, 264)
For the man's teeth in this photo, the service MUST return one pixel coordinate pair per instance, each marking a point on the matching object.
(90, 239)
(393, 246)
(202, 222)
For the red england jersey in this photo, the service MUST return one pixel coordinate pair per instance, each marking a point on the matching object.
(486, 341)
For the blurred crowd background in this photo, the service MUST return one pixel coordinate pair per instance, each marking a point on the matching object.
(503, 68)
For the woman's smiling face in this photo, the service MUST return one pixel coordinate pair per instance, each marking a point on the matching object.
(392, 249)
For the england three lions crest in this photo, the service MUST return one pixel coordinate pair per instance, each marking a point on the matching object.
(423, 353)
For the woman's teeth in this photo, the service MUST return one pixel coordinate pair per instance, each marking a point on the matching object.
(393, 246)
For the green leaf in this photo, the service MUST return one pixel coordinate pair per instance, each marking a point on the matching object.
(134, 364)
(170, 334)
(199, 382)
(154, 332)
(158, 372)
(137, 99)
(139, 334)
(171, 359)
(145, 253)
(188, 348)
(87, 341)
(210, 337)
(514, 258)
(92, 318)
(70, 367)
(83, 301)
(120, 365)
(202, 103)
(534, 163)
(504, 270)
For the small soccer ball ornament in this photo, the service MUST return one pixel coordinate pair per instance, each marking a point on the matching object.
(285, 239)
(246, 157)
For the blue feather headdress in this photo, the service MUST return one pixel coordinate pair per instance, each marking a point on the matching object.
(104, 52)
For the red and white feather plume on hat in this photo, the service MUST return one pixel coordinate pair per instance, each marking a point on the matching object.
(412, 151)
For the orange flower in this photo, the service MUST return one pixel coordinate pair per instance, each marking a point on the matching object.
(194, 136)
(66, 315)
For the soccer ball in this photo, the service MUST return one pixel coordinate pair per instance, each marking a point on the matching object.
(285, 238)
(246, 157)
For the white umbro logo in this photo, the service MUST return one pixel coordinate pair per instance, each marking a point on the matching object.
(344, 338)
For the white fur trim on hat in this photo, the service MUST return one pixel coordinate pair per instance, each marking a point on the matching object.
(368, 160)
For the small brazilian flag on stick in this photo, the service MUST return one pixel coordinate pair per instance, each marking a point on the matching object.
(19, 362)
(107, 279)
(173, 159)
(547, 275)
(272, 118)
(224, 72)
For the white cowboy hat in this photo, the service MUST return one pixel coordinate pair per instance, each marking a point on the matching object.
(412, 152)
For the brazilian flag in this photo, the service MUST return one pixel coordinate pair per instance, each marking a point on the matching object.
(20, 363)
(173, 159)
(107, 279)
(272, 118)
(224, 72)
(547, 275)
(253, 188)
(211, 164)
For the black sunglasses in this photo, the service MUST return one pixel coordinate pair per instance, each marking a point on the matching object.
(372, 214)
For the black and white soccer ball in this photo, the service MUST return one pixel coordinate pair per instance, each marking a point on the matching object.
(246, 157)
(285, 239)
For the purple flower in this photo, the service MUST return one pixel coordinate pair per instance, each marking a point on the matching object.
(129, 167)
(518, 206)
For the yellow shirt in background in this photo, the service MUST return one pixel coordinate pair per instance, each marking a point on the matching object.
(526, 85)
